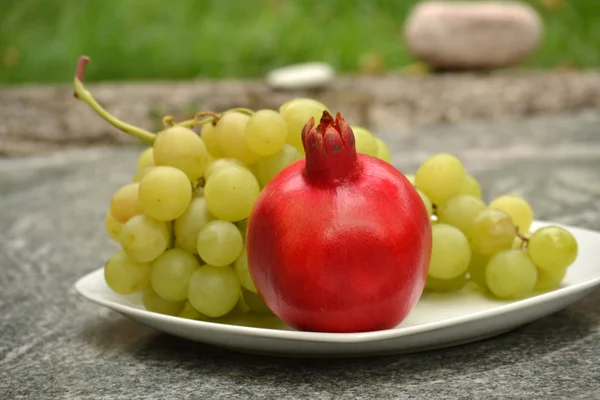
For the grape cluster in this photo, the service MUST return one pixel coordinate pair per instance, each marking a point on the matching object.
(490, 244)
(181, 221)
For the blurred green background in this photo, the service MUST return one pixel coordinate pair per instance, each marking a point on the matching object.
(40, 40)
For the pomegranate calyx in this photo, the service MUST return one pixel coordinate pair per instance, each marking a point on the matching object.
(330, 148)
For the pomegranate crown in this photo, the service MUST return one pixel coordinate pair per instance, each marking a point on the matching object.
(330, 147)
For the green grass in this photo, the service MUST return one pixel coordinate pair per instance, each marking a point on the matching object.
(40, 40)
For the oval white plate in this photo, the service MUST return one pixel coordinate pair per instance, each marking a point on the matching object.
(438, 320)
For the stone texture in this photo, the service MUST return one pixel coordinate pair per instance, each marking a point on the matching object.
(40, 119)
(55, 345)
(472, 35)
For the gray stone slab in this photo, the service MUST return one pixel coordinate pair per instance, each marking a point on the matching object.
(54, 345)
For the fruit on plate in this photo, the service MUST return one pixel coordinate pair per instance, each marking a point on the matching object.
(339, 241)
(191, 227)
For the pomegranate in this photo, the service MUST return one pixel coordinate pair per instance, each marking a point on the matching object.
(339, 241)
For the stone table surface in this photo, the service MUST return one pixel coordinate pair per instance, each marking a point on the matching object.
(54, 344)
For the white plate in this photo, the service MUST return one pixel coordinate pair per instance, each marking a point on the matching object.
(438, 320)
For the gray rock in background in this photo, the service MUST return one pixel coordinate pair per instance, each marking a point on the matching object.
(473, 35)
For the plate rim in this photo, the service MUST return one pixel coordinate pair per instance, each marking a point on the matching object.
(354, 337)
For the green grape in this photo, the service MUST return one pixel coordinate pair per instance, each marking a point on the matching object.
(254, 302)
(492, 231)
(427, 202)
(446, 285)
(383, 153)
(165, 193)
(211, 140)
(510, 274)
(124, 275)
(113, 227)
(460, 211)
(476, 269)
(471, 187)
(411, 178)
(142, 172)
(146, 158)
(125, 203)
(266, 168)
(219, 243)
(214, 291)
(230, 193)
(144, 239)
(365, 141)
(171, 274)
(220, 163)
(243, 273)
(266, 132)
(154, 303)
(296, 113)
(450, 253)
(188, 225)
(549, 280)
(517, 208)
(440, 177)
(181, 148)
(230, 131)
(189, 312)
(243, 227)
(552, 248)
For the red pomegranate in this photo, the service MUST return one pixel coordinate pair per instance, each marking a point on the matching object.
(339, 241)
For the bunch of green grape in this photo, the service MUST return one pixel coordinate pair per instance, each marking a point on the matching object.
(490, 244)
(181, 221)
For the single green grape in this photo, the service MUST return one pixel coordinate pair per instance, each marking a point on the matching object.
(146, 158)
(549, 280)
(446, 285)
(460, 211)
(165, 193)
(113, 227)
(171, 274)
(188, 225)
(296, 113)
(510, 274)
(440, 177)
(491, 231)
(230, 193)
(154, 303)
(219, 243)
(365, 141)
(383, 152)
(426, 202)
(124, 275)
(450, 253)
(220, 163)
(476, 269)
(214, 291)
(211, 140)
(268, 167)
(266, 132)
(471, 186)
(125, 203)
(552, 248)
(181, 148)
(254, 302)
(144, 239)
(189, 312)
(230, 131)
(242, 272)
(142, 172)
(517, 208)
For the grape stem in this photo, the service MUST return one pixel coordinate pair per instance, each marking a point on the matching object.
(213, 117)
(524, 239)
(81, 93)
